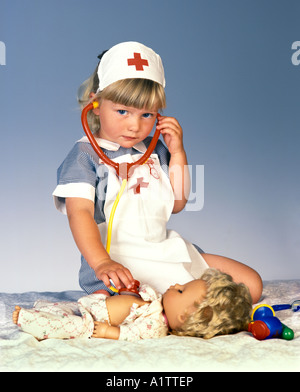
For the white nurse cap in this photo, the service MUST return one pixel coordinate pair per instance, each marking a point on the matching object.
(130, 60)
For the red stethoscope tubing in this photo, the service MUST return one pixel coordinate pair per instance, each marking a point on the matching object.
(101, 154)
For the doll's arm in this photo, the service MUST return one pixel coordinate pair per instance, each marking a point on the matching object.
(118, 308)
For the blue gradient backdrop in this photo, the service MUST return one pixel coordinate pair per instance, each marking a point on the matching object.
(230, 82)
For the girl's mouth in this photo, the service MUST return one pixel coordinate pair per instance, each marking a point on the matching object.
(128, 138)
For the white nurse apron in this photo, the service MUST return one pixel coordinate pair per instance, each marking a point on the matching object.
(140, 239)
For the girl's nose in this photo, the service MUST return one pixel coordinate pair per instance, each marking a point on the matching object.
(133, 123)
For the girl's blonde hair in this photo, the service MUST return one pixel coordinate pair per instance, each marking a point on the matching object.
(137, 93)
(226, 308)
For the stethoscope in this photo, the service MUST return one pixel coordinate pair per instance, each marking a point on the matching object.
(123, 170)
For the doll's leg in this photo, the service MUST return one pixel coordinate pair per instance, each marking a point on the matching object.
(61, 308)
(240, 273)
(45, 325)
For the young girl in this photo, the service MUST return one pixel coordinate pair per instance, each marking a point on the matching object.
(212, 305)
(128, 84)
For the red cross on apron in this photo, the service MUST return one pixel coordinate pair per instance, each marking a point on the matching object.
(138, 62)
(140, 183)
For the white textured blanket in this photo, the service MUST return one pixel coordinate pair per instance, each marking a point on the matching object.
(241, 352)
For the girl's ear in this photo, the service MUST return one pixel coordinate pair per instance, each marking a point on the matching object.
(95, 111)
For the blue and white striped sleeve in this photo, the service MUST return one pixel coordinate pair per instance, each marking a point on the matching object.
(162, 152)
(76, 176)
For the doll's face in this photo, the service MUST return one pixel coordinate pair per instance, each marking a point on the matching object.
(179, 301)
(124, 125)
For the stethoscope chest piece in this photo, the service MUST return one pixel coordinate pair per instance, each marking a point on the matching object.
(132, 291)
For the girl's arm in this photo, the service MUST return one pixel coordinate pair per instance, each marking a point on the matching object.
(178, 166)
(88, 240)
(180, 180)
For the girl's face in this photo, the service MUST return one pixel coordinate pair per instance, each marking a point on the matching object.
(179, 301)
(124, 125)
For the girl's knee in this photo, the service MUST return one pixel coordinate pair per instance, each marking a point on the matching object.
(241, 273)
(256, 287)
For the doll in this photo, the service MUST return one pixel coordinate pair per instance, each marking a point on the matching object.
(205, 307)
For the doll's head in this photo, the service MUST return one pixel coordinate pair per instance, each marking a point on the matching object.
(220, 307)
(129, 74)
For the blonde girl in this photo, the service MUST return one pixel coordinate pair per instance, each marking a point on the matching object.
(128, 84)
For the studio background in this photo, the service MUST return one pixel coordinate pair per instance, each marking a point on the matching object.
(232, 85)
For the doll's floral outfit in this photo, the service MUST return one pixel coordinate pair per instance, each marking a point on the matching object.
(70, 320)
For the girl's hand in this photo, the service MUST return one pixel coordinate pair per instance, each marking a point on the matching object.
(172, 134)
(120, 275)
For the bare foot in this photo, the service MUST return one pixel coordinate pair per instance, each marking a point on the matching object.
(15, 315)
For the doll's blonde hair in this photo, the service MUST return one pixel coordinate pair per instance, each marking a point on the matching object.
(137, 93)
(225, 309)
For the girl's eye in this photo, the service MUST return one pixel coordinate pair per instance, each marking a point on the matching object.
(180, 291)
(122, 112)
(147, 115)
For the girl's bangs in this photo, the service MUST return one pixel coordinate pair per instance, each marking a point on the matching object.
(138, 93)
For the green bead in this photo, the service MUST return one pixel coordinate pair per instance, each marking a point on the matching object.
(287, 333)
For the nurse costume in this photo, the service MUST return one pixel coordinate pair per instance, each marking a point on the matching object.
(140, 238)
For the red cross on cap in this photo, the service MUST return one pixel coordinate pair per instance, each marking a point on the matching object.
(138, 62)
